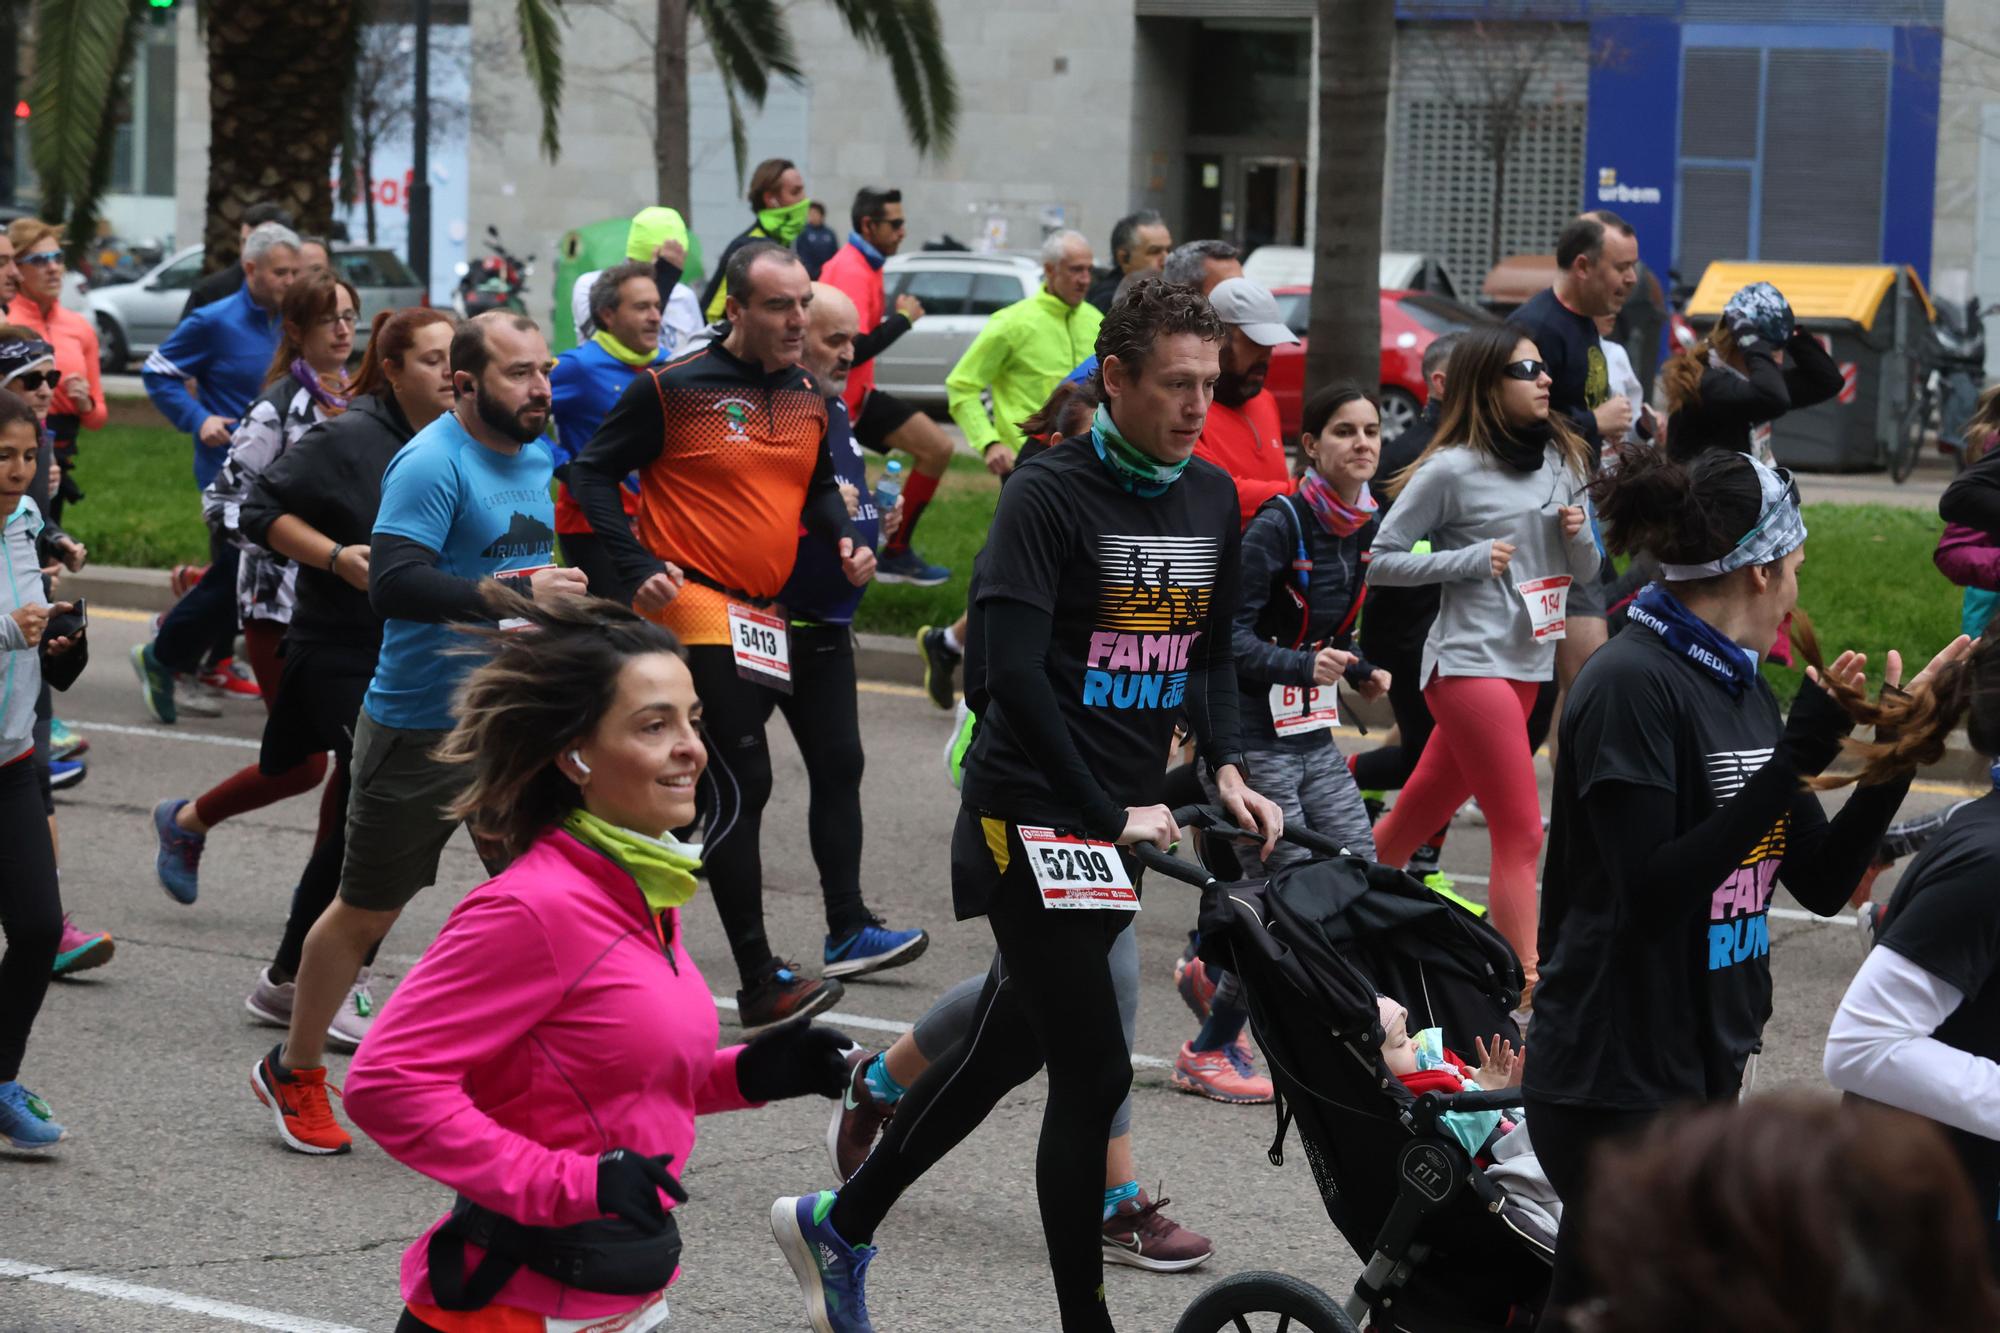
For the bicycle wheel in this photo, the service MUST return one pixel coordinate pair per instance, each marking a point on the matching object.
(1264, 1303)
(1910, 434)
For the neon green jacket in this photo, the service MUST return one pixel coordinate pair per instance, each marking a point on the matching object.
(1021, 355)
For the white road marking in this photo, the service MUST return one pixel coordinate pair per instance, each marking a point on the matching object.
(168, 734)
(113, 1289)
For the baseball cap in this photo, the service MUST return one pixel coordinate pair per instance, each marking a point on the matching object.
(1249, 306)
(650, 227)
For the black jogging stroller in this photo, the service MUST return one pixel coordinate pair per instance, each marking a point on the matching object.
(1313, 946)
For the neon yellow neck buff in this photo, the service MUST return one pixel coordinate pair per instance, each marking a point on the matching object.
(621, 351)
(783, 225)
(662, 867)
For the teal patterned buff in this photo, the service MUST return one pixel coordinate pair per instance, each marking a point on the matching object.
(1137, 471)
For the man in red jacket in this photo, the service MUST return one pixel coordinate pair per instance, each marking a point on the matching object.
(1242, 435)
(883, 422)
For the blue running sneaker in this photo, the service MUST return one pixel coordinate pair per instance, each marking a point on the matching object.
(872, 948)
(66, 773)
(28, 1126)
(906, 566)
(156, 684)
(831, 1273)
(178, 863)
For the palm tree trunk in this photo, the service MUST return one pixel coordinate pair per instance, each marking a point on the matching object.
(670, 106)
(1356, 41)
(278, 76)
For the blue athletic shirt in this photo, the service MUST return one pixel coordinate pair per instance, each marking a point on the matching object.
(818, 590)
(484, 514)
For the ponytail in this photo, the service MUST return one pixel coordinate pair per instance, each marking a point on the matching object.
(1684, 369)
(1919, 720)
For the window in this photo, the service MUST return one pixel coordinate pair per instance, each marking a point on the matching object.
(1295, 308)
(1441, 315)
(181, 275)
(374, 268)
(991, 291)
(942, 291)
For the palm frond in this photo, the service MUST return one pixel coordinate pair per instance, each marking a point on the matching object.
(541, 51)
(80, 49)
(751, 42)
(908, 34)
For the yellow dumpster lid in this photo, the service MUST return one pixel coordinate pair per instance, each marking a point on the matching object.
(1815, 291)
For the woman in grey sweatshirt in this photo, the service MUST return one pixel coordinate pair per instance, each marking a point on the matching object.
(1493, 512)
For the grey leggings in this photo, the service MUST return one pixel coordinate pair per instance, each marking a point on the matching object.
(946, 1022)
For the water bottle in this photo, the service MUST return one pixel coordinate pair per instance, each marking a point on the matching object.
(888, 488)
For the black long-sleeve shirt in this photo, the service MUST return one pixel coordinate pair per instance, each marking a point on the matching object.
(1729, 406)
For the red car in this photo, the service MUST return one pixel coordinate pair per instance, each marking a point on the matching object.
(1409, 321)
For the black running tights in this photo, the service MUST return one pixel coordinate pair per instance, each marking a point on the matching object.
(30, 910)
(1567, 1141)
(1048, 1002)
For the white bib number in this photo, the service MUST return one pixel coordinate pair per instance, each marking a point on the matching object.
(1298, 709)
(1760, 445)
(762, 644)
(1548, 606)
(1074, 872)
(513, 623)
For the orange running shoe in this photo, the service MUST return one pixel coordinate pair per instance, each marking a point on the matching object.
(297, 1098)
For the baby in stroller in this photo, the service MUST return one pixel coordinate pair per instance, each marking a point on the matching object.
(1497, 1142)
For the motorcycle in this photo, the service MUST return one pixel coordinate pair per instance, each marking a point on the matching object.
(494, 282)
(1959, 369)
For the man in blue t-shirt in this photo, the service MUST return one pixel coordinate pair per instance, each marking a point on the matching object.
(465, 502)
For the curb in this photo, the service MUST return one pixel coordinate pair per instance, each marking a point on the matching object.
(892, 659)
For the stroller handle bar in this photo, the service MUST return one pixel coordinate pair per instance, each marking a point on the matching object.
(1187, 872)
(1215, 820)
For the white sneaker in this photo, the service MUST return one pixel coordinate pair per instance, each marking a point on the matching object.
(196, 699)
(356, 1016)
(270, 1003)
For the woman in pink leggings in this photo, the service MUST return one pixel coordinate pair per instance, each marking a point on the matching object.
(1498, 497)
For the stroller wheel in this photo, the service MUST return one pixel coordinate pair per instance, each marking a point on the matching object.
(1264, 1303)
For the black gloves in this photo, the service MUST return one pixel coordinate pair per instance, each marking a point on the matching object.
(1814, 730)
(798, 1060)
(628, 1186)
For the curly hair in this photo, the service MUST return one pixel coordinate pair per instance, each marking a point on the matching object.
(1153, 309)
(541, 689)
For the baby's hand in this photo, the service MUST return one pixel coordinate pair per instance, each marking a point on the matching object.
(1499, 1066)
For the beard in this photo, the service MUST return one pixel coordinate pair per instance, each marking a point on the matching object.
(1233, 388)
(513, 425)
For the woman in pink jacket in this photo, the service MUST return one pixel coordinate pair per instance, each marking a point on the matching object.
(549, 1054)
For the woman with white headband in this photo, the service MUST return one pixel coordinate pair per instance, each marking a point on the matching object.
(1679, 805)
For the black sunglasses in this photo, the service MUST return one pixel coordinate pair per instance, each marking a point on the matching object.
(1523, 370)
(47, 378)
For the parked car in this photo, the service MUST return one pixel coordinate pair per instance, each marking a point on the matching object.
(1410, 320)
(959, 289)
(133, 318)
(1400, 270)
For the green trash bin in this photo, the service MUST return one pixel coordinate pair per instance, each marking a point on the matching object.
(1871, 318)
(594, 246)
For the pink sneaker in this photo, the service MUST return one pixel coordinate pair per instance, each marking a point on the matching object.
(1197, 990)
(80, 950)
(1226, 1075)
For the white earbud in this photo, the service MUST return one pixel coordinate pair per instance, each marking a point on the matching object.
(577, 759)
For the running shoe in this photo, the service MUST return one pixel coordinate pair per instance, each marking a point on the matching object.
(1223, 1076)
(964, 723)
(783, 996)
(298, 1101)
(270, 1002)
(832, 1274)
(1139, 1235)
(906, 566)
(185, 577)
(1375, 803)
(357, 1012)
(231, 678)
(80, 950)
(26, 1123)
(857, 1119)
(873, 948)
(1191, 979)
(178, 861)
(156, 684)
(65, 741)
(940, 661)
(66, 773)
(195, 698)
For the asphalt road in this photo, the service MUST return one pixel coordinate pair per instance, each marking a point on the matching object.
(173, 1207)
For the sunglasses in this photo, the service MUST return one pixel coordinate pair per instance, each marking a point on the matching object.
(41, 258)
(1524, 370)
(38, 379)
